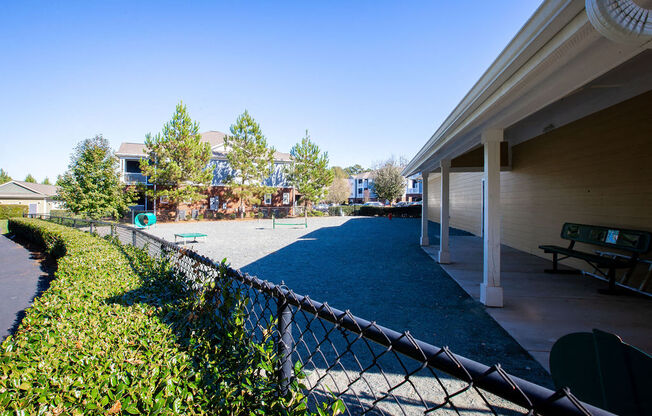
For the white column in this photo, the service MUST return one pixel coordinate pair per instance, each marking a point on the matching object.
(424, 210)
(491, 293)
(444, 216)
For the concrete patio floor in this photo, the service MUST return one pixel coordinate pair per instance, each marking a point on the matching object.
(539, 307)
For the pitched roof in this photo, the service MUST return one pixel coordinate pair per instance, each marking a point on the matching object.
(131, 149)
(44, 190)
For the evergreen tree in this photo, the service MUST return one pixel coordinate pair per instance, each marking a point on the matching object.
(388, 183)
(91, 186)
(178, 160)
(251, 161)
(29, 178)
(309, 171)
(46, 181)
(4, 176)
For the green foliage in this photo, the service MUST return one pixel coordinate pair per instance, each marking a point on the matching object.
(388, 183)
(3, 227)
(91, 186)
(413, 211)
(315, 213)
(119, 331)
(178, 160)
(309, 172)
(232, 216)
(346, 210)
(4, 176)
(355, 169)
(46, 181)
(8, 211)
(29, 178)
(251, 162)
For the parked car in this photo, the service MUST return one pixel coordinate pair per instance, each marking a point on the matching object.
(402, 204)
(415, 203)
(321, 207)
(373, 204)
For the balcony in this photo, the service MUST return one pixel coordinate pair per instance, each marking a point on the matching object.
(133, 178)
(413, 190)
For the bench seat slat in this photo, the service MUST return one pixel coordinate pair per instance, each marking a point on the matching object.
(601, 261)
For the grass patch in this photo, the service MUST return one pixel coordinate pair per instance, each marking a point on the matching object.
(3, 227)
(120, 332)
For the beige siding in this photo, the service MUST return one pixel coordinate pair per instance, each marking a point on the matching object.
(597, 170)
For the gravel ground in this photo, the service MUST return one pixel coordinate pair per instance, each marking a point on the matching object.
(375, 268)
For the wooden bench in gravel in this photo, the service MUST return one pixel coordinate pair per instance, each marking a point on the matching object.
(186, 236)
(632, 242)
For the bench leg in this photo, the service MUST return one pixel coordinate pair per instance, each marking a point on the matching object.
(555, 267)
(612, 289)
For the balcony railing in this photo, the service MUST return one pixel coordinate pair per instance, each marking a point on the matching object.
(414, 190)
(133, 178)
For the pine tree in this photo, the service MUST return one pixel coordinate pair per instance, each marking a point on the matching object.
(178, 160)
(91, 186)
(46, 181)
(309, 172)
(251, 161)
(4, 176)
(29, 178)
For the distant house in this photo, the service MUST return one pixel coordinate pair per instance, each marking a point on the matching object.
(362, 188)
(217, 198)
(39, 198)
(413, 188)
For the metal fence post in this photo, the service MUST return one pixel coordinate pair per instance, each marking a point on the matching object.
(133, 238)
(112, 232)
(284, 314)
(91, 227)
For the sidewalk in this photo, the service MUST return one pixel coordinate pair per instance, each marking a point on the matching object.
(21, 278)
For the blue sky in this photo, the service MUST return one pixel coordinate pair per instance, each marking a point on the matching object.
(369, 79)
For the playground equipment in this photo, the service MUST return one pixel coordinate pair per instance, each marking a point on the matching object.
(304, 223)
(144, 220)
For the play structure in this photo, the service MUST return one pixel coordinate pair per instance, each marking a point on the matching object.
(302, 224)
(144, 220)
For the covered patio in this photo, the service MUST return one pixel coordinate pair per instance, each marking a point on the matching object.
(539, 307)
(557, 130)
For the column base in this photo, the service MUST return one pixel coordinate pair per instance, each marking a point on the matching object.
(444, 257)
(491, 296)
(424, 241)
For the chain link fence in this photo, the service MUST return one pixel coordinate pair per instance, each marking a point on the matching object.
(331, 354)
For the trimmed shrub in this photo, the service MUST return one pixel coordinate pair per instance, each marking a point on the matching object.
(413, 211)
(219, 215)
(232, 216)
(9, 211)
(121, 332)
(346, 210)
(315, 213)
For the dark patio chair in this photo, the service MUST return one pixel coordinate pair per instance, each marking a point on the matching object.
(600, 369)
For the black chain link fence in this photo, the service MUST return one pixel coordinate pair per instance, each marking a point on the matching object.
(333, 354)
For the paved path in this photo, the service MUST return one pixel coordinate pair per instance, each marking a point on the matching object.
(375, 268)
(21, 278)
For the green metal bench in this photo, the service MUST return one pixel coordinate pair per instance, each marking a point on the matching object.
(600, 369)
(303, 224)
(633, 242)
(186, 236)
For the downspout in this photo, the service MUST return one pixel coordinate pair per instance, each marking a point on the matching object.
(622, 21)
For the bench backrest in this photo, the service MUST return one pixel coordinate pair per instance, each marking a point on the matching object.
(618, 238)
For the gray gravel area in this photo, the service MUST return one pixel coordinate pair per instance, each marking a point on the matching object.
(372, 266)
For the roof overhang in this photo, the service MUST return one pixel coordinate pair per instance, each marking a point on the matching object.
(556, 53)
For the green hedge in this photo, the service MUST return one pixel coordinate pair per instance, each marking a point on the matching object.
(120, 332)
(8, 211)
(346, 210)
(413, 211)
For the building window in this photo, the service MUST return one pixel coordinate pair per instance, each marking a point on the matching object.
(360, 190)
(286, 198)
(268, 199)
(132, 166)
(366, 184)
(359, 180)
(215, 203)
